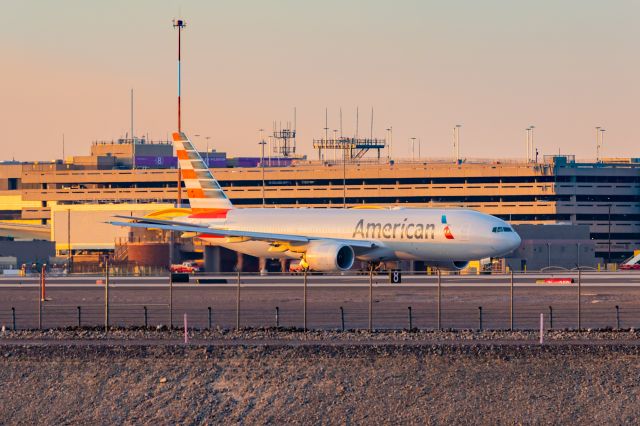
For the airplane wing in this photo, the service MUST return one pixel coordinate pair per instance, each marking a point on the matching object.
(170, 225)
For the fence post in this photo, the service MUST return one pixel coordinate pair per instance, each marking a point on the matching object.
(106, 293)
(146, 318)
(410, 319)
(617, 317)
(13, 317)
(43, 283)
(371, 297)
(480, 316)
(79, 316)
(579, 299)
(304, 300)
(238, 301)
(439, 300)
(40, 305)
(550, 317)
(277, 317)
(186, 334)
(342, 317)
(170, 300)
(511, 303)
(209, 312)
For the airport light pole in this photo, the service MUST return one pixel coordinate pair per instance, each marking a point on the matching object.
(344, 178)
(262, 143)
(179, 24)
(609, 243)
(335, 146)
(454, 144)
(413, 149)
(527, 144)
(598, 144)
(207, 139)
(390, 146)
(531, 144)
(457, 132)
(69, 255)
(601, 141)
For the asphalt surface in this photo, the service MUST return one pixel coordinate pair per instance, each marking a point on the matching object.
(215, 303)
(587, 278)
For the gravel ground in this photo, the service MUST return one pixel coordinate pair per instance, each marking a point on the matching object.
(264, 377)
(273, 335)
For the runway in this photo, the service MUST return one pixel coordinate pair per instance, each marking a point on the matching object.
(461, 298)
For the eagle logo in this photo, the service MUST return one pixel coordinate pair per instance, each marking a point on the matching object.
(447, 233)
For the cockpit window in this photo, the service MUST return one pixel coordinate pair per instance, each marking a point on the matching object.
(501, 229)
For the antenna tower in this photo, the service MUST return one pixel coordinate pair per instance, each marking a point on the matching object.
(179, 24)
(284, 140)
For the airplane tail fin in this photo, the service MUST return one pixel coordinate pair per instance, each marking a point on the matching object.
(203, 190)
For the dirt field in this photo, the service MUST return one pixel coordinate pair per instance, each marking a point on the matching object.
(361, 382)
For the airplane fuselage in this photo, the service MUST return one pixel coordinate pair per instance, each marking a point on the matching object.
(398, 233)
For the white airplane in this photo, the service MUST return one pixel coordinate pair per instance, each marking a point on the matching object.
(331, 239)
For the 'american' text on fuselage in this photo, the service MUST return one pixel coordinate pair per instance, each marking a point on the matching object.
(402, 230)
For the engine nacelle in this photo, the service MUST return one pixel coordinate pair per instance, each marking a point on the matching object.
(455, 265)
(329, 256)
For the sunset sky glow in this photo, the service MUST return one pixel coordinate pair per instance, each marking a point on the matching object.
(495, 67)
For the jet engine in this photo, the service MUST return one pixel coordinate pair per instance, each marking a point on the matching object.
(328, 256)
(455, 265)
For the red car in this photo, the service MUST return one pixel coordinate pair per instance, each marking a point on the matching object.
(627, 267)
(186, 268)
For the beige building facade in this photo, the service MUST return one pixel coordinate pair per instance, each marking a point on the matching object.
(605, 195)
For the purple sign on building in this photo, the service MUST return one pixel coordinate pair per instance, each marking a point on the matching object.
(152, 162)
(159, 162)
(166, 162)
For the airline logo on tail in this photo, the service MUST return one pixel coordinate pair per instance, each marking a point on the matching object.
(205, 194)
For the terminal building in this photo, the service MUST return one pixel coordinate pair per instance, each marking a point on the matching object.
(69, 201)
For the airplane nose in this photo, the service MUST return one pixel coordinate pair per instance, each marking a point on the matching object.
(516, 240)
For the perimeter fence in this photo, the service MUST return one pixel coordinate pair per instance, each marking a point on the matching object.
(571, 300)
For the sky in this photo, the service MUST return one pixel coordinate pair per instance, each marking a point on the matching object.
(495, 67)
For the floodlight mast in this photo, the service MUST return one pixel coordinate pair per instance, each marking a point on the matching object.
(179, 24)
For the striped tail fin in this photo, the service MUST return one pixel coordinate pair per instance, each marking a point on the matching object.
(203, 190)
